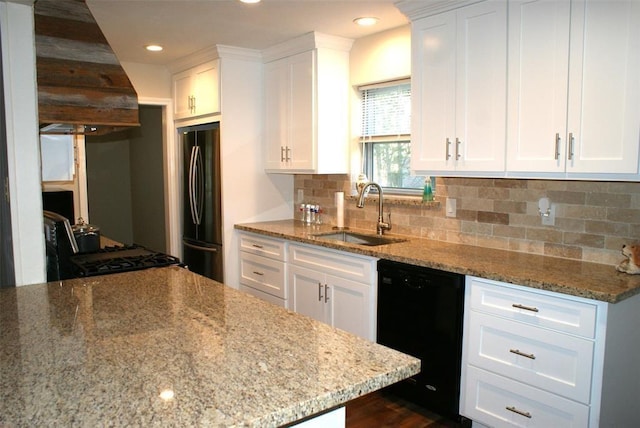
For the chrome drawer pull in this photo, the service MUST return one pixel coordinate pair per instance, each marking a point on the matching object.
(258, 273)
(319, 292)
(522, 354)
(257, 246)
(526, 308)
(520, 412)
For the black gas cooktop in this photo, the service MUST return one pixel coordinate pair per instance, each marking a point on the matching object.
(117, 259)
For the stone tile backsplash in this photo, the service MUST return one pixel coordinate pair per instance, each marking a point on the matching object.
(593, 218)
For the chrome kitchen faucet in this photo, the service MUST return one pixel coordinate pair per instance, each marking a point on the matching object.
(381, 226)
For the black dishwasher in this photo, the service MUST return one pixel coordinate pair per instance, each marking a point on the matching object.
(420, 313)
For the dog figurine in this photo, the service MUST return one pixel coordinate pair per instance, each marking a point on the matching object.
(631, 264)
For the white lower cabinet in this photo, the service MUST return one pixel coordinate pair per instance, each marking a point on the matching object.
(263, 268)
(500, 401)
(334, 287)
(541, 359)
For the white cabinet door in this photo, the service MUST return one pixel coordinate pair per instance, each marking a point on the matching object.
(348, 306)
(196, 91)
(307, 293)
(538, 80)
(574, 85)
(604, 91)
(276, 126)
(290, 113)
(207, 89)
(459, 90)
(432, 89)
(302, 118)
(182, 94)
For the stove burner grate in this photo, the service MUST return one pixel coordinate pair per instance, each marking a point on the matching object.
(120, 259)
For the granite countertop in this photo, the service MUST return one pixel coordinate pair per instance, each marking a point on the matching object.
(588, 280)
(100, 351)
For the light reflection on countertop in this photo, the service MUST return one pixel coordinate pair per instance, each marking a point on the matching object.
(165, 346)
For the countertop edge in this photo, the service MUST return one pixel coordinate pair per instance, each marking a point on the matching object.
(562, 282)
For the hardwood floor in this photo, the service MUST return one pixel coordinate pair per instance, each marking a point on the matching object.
(381, 410)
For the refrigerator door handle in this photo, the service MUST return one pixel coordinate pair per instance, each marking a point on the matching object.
(192, 185)
(196, 247)
(199, 194)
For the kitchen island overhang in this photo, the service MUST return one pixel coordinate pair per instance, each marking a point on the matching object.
(165, 346)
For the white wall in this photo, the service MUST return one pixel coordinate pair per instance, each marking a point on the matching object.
(149, 81)
(23, 152)
(377, 58)
(248, 193)
(381, 57)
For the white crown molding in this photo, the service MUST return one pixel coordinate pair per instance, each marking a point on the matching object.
(416, 9)
(304, 43)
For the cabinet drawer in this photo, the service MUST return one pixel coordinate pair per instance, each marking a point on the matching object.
(263, 246)
(535, 308)
(338, 263)
(488, 398)
(264, 296)
(545, 359)
(263, 274)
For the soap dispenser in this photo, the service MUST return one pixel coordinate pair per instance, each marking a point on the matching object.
(427, 193)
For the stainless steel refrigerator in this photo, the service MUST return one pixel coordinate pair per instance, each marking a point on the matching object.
(202, 213)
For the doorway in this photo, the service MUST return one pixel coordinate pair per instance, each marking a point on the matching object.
(125, 182)
(7, 270)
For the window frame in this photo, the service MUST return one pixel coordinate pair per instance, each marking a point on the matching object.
(367, 143)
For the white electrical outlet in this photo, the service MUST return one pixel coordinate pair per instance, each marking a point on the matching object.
(450, 207)
(550, 219)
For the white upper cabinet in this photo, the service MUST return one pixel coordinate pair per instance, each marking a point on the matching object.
(574, 89)
(196, 91)
(459, 78)
(566, 94)
(306, 105)
(604, 87)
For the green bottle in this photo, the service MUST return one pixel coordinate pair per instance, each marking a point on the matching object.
(427, 193)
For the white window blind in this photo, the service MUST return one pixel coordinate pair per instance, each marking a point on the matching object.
(386, 110)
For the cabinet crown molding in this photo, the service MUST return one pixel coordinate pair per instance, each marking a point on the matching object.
(416, 9)
(306, 42)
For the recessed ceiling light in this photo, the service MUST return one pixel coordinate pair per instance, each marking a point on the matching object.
(154, 48)
(366, 21)
(250, 1)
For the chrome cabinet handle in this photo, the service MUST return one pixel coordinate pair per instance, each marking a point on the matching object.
(570, 152)
(281, 153)
(457, 148)
(556, 156)
(522, 354)
(526, 308)
(520, 412)
(319, 292)
(194, 103)
(447, 146)
(287, 154)
(258, 273)
(257, 246)
(326, 293)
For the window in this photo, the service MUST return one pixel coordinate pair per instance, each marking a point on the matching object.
(385, 136)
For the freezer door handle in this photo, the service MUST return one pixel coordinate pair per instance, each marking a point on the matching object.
(192, 178)
(199, 193)
(197, 247)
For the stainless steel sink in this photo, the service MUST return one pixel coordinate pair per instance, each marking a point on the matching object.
(358, 238)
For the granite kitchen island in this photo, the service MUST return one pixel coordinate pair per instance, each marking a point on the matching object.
(166, 347)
